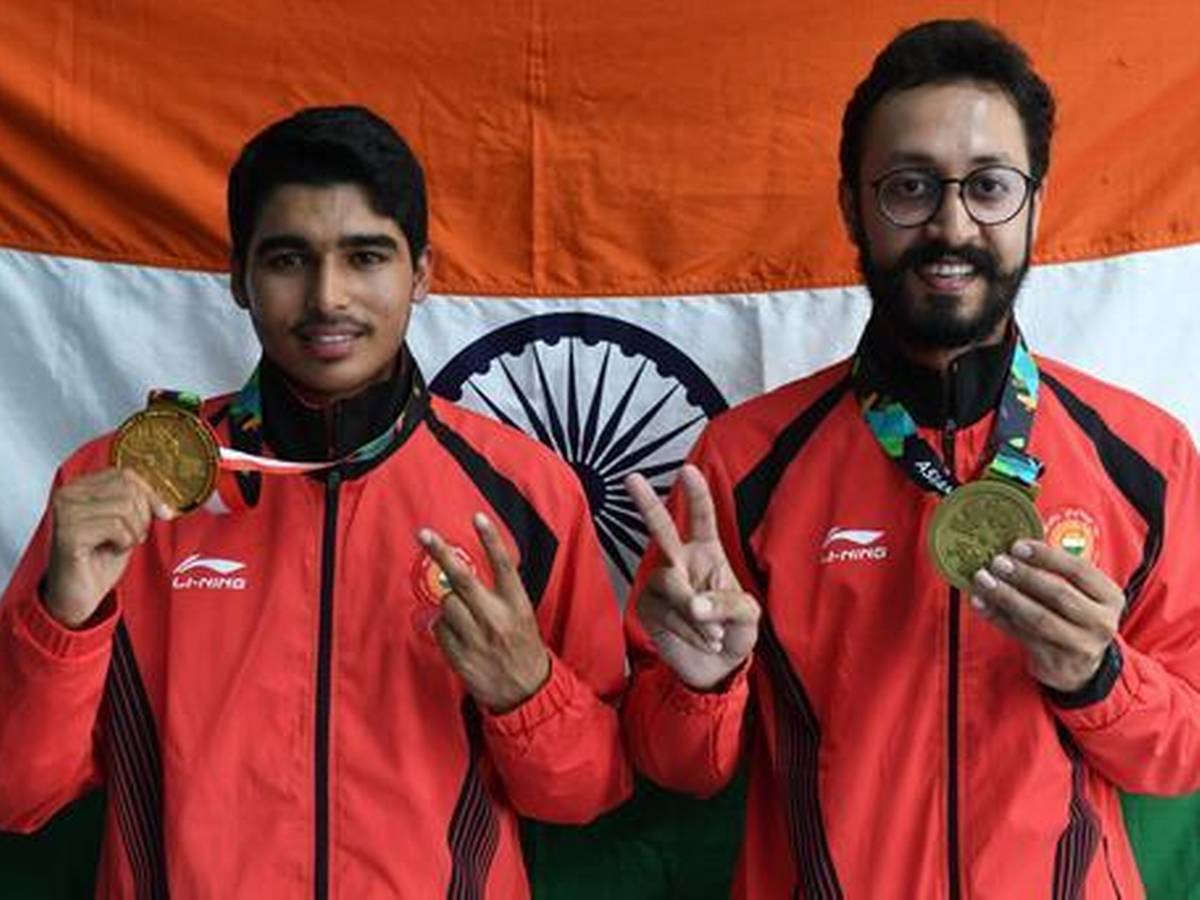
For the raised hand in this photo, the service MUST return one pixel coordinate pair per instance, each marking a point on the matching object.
(693, 608)
(97, 520)
(489, 636)
(1063, 609)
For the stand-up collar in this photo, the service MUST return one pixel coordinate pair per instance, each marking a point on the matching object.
(968, 391)
(296, 430)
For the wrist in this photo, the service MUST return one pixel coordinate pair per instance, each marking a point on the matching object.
(1096, 687)
(718, 684)
(527, 687)
(72, 614)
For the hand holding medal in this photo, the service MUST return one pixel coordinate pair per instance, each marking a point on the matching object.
(985, 537)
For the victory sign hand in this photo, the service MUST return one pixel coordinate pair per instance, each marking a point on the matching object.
(692, 606)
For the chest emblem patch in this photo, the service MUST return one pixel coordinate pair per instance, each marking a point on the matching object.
(430, 587)
(1076, 531)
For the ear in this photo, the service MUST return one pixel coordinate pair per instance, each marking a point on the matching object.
(1039, 201)
(423, 274)
(848, 203)
(237, 283)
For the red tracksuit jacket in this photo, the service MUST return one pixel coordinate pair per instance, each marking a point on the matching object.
(897, 746)
(266, 706)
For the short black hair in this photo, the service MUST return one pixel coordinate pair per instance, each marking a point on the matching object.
(946, 50)
(327, 145)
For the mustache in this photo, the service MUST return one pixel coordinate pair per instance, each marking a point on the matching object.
(933, 251)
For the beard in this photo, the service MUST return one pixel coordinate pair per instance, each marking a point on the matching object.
(937, 321)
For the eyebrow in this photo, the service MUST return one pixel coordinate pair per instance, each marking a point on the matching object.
(924, 160)
(288, 241)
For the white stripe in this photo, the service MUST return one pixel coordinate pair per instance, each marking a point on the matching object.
(85, 341)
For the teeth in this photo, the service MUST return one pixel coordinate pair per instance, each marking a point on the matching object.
(330, 338)
(949, 270)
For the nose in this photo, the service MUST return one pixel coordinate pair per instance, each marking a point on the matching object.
(327, 288)
(951, 223)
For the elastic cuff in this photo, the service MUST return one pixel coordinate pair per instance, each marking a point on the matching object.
(1098, 687)
(688, 699)
(547, 702)
(56, 639)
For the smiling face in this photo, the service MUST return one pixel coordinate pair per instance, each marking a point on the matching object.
(951, 282)
(329, 284)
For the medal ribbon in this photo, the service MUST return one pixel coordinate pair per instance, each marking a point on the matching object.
(896, 430)
(246, 423)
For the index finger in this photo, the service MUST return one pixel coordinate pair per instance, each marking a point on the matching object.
(1090, 580)
(654, 513)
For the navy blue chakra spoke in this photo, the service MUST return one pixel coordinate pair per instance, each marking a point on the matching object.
(607, 413)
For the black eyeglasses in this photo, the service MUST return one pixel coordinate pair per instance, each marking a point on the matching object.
(991, 195)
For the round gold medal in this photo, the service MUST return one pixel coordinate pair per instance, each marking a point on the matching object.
(975, 522)
(173, 450)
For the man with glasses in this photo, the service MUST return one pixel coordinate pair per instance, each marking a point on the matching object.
(954, 582)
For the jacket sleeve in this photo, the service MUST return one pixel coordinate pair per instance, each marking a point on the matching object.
(683, 739)
(559, 754)
(1143, 730)
(51, 687)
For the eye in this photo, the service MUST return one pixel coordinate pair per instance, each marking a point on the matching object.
(368, 259)
(285, 260)
(991, 186)
(909, 187)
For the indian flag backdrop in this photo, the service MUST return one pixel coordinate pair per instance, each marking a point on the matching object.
(633, 209)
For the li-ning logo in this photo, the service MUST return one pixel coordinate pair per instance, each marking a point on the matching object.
(852, 545)
(198, 573)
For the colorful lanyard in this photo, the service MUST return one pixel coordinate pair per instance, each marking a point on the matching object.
(245, 413)
(896, 430)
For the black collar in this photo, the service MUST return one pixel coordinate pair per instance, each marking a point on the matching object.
(969, 390)
(295, 430)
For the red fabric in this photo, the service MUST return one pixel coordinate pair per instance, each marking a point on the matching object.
(230, 677)
(868, 639)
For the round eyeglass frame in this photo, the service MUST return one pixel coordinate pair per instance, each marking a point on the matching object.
(1031, 186)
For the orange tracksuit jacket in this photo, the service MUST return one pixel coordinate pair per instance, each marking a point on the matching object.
(897, 746)
(268, 710)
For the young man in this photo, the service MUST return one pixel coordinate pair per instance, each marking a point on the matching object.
(910, 738)
(351, 686)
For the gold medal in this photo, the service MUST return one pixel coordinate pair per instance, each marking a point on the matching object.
(173, 450)
(975, 522)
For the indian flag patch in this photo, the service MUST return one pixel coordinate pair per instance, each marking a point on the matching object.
(1076, 531)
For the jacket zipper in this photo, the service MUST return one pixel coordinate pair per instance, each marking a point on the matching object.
(324, 662)
(952, 847)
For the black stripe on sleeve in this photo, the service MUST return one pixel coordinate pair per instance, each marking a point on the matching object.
(1138, 481)
(1077, 844)
(536, 543)
(798, 732)
(135, 770)
(474, 828)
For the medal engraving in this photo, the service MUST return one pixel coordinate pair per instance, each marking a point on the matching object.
(173, 450)
(977, 521)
